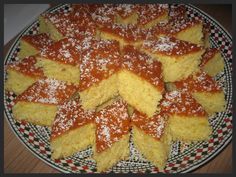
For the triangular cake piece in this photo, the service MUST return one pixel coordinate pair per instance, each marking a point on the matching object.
(179, 58)
(189, 30)
(188, 120)
(152, 14)
(73, 129)
(140, 81)
(38, 104)
(99, 69)
(22, 70)
(32, 44)
(126, 14)
(70, 24)
(205, 90)
(151, 136)
(112, 135)
(125, 34)
(212, 62)
(61, 61)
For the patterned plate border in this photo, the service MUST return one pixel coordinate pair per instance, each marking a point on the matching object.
(173, 168)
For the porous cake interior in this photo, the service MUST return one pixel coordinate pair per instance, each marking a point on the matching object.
(14, 81)
(175, 69)
(189, 128)
(26, 50)
(205, 99)
(214, 65)
(36, 113)
(73, 141)
(47, 27)
(155, 151)
(58, 70)
(100, 92)
(109, 157)
(138, 92)
(192, 34)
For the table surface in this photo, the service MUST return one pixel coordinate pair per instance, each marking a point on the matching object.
(18, 159)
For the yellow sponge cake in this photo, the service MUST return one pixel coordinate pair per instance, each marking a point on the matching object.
(205, 90)
(140, 81)
(187, 119)
(73, 129)
(22, 74)
(152, 14)
(183, 29)
(104, 15)
(99, 69)
(112, 135)
(179, 58)
(61, 61)
(126, 34)
(60, 25)
(38, 104)
(151, 137)
(32, 44)
(212, 62)
(126, 14)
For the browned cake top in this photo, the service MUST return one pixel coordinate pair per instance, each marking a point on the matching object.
(112, 123)
(209, 54)
(200, 82)
(149, 12)
(178, 12)
(63, 51)
(99, 62)
(38, 41)
(125, 10)
(48, 91)
(27, 66)
(153, 126)
(170, 46)
(181, 103)
(70, 115)
(89, 8)
(72, 23)
(130, 33)
(174, 26)
(104, 15)
(143, 66)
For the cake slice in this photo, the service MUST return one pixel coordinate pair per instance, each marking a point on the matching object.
(22, 74)
(61, 61)
(60, 25)
(151, 137)
(152, 14)
(73, 129)
(212, 62)
(126, 34)
(38, 104)
(189, 30)
(112, 135)
(205, 90)
(99, 69)
(126, 14)
(179, 58)
(188, 120)
(104, 15)
(32, 44)
(140, 81)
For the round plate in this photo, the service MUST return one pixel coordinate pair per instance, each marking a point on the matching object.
(183, 157)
